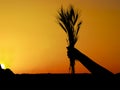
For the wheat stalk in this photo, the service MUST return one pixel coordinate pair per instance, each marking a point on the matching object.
(68, 20)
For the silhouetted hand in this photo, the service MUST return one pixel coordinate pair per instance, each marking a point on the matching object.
(73, 53)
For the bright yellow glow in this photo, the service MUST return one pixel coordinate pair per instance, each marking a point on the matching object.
(2, 66)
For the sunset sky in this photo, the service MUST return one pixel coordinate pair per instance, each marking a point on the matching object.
(31, 41)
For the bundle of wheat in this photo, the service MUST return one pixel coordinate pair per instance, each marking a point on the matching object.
(68, 20)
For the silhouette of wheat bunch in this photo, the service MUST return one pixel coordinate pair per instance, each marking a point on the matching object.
(68, 20)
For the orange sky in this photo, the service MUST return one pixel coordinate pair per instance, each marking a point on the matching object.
(31, 41)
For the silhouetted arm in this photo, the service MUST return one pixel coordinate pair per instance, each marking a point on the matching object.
(92, 66)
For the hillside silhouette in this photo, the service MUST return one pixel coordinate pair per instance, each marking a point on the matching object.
(59, 81)
(81, 80)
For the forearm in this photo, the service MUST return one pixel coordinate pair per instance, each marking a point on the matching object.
(92, 66)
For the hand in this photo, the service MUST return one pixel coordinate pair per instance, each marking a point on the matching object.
(73, 53)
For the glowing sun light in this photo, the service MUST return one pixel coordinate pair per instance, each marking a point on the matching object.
(2, 66)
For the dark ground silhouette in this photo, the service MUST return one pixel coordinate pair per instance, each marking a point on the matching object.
(58, 81)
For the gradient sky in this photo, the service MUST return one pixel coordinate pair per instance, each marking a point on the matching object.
(31, 41)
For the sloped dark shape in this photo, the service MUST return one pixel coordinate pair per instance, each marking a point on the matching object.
(96, 69)
(6, 74)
